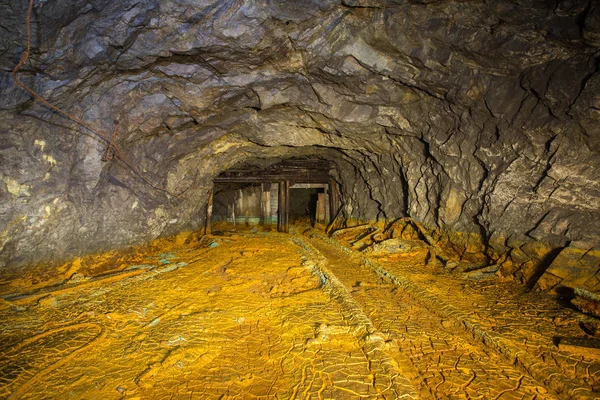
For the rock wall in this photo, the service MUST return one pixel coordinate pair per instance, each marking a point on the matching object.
(467, 117)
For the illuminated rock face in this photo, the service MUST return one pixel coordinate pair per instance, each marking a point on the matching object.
(465, 117)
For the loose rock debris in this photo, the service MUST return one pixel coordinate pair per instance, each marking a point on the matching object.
(280, 316)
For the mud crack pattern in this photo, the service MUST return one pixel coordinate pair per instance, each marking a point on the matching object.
(266, 316)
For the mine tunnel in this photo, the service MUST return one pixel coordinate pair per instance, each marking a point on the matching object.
(301, 189)
(317, 199)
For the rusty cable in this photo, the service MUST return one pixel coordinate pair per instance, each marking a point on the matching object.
(112, 150)
(110, 154)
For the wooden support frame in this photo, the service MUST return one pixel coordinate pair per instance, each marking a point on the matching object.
(284, 174)
(283, 213)
(321, 213)
(209, 211)
(265, 205)
(265, 178)
(307, 171)
(333, 199)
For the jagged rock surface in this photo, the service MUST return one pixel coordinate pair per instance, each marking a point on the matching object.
(466, 117)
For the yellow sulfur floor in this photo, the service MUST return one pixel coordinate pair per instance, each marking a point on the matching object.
(245, 320)
(247, 316)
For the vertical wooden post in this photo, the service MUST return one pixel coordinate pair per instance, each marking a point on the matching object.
(333, 200)
(233, 204)
(327, 201)
(286, 227)
(280, 205)
(265, 205)
(321, 208)
(209, 211)
(283, 213)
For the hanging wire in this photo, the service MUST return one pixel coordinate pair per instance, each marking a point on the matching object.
(113, 150)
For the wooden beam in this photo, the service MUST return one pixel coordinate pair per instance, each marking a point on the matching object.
(265, 206)
(333, 199)
(283, 212)
(286, 227)
(320, 217)
(307, 171)
(280, 205)
(309, 177)
(209, 211)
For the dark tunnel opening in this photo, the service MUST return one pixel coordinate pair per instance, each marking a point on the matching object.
(303, 203)
(287, 191)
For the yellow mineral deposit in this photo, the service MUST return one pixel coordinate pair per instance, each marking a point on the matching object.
(15, 188)
(40, 143)
(253, 315)
(49, 159)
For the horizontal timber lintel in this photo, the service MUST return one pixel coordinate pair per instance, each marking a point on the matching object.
(303, 178)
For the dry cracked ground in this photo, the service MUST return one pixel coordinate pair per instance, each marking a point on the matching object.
(273, 316)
